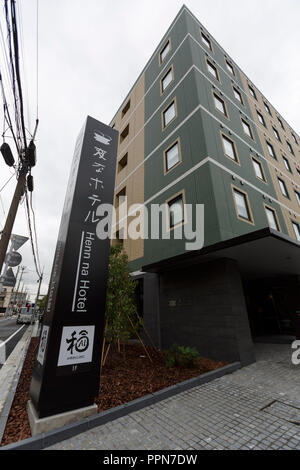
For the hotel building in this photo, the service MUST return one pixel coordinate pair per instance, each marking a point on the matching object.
(194, 129)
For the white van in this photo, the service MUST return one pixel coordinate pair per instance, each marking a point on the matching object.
(26, 315)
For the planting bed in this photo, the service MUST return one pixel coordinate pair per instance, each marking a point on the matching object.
(126, 376)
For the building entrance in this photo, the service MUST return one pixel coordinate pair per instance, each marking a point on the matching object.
(272, 306)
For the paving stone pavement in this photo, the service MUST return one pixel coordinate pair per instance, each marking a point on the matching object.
(255, 408)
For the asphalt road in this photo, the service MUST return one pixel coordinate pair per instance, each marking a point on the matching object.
(8, 327)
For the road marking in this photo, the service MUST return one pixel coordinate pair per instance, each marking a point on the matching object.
(8, 339)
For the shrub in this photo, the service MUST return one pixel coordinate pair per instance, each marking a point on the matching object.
(181, 356)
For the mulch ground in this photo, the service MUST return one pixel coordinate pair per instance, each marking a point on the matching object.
(124, 378)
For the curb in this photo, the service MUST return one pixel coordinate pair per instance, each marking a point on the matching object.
(47, 439)
(9, 377)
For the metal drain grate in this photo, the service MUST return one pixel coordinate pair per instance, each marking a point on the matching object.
(283, 411)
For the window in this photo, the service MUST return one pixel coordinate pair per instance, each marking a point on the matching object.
(120, 195)
(169, 114)
(113, 126)
(213, 70)
(261, 118)
(168, 78)
(120, 237)
(123, 162)
(242, 206)
(297, 197)
(125, 109)
(165, 52)
(272, 219)
(247, 129)
(296, 230)
(283, 187)
(172, 156)
(229, 148)
(238, 95)
(290, 148)
(271, 150)
(258, 170)
(267, 109)
(252, 92)
(294, 137)
(281, 123)
(176, 213)
(206, 41)
(230, 67)
(276, 134)
(124, 134)
(287, 164)
(220, 105)
(298, 171)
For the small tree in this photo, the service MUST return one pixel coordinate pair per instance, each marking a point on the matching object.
(121, 319)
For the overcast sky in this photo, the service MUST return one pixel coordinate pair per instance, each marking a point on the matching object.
(90, 54)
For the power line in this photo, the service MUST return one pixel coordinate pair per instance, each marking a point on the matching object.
(7, 183)
(37, 267)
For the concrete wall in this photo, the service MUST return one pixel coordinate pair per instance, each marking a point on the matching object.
(203, 307)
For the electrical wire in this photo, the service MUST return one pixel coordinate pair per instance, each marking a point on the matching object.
(7, 182)
(35, 231)
(30, 235)
(17, 68)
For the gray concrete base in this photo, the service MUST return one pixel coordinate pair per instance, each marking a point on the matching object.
(40, 426)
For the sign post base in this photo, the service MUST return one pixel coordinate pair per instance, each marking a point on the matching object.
(42, 425)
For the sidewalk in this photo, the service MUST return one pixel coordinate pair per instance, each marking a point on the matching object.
(257, 407)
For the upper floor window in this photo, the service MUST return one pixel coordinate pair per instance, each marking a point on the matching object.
(276, 133)
(176, 211)
(272, 219)
(271, 150)
(258, 170)
(220, 105)
(297, 197)
(230, 67)
(124, 134)
(123, 162)
(169, 114)
(167, 79)
(238, 95)
(290, 148)
(252, 92)
(247, 129)
(213, 70)
(206, 41)
(283, 187)
(229, 148)
(295, 140)
(126, 108)
(172, 156)
(163, 54)
(281, 123)
(287, 164)
(267, 108)
(242, 205)
(296, 230)
(261, 118)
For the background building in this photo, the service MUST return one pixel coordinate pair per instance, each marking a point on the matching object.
(194, 129)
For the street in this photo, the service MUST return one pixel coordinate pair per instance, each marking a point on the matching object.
(10, 334)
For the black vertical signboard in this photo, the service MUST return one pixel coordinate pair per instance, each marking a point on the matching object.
(67, 368)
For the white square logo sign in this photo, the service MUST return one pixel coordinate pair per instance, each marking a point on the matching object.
(43, 344)
(76, 346)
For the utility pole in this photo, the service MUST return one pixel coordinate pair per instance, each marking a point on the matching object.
(12, 295)
(6, 233)
(38, 292)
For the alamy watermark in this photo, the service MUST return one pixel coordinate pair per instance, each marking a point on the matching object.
(296, 353)
(165, 221)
